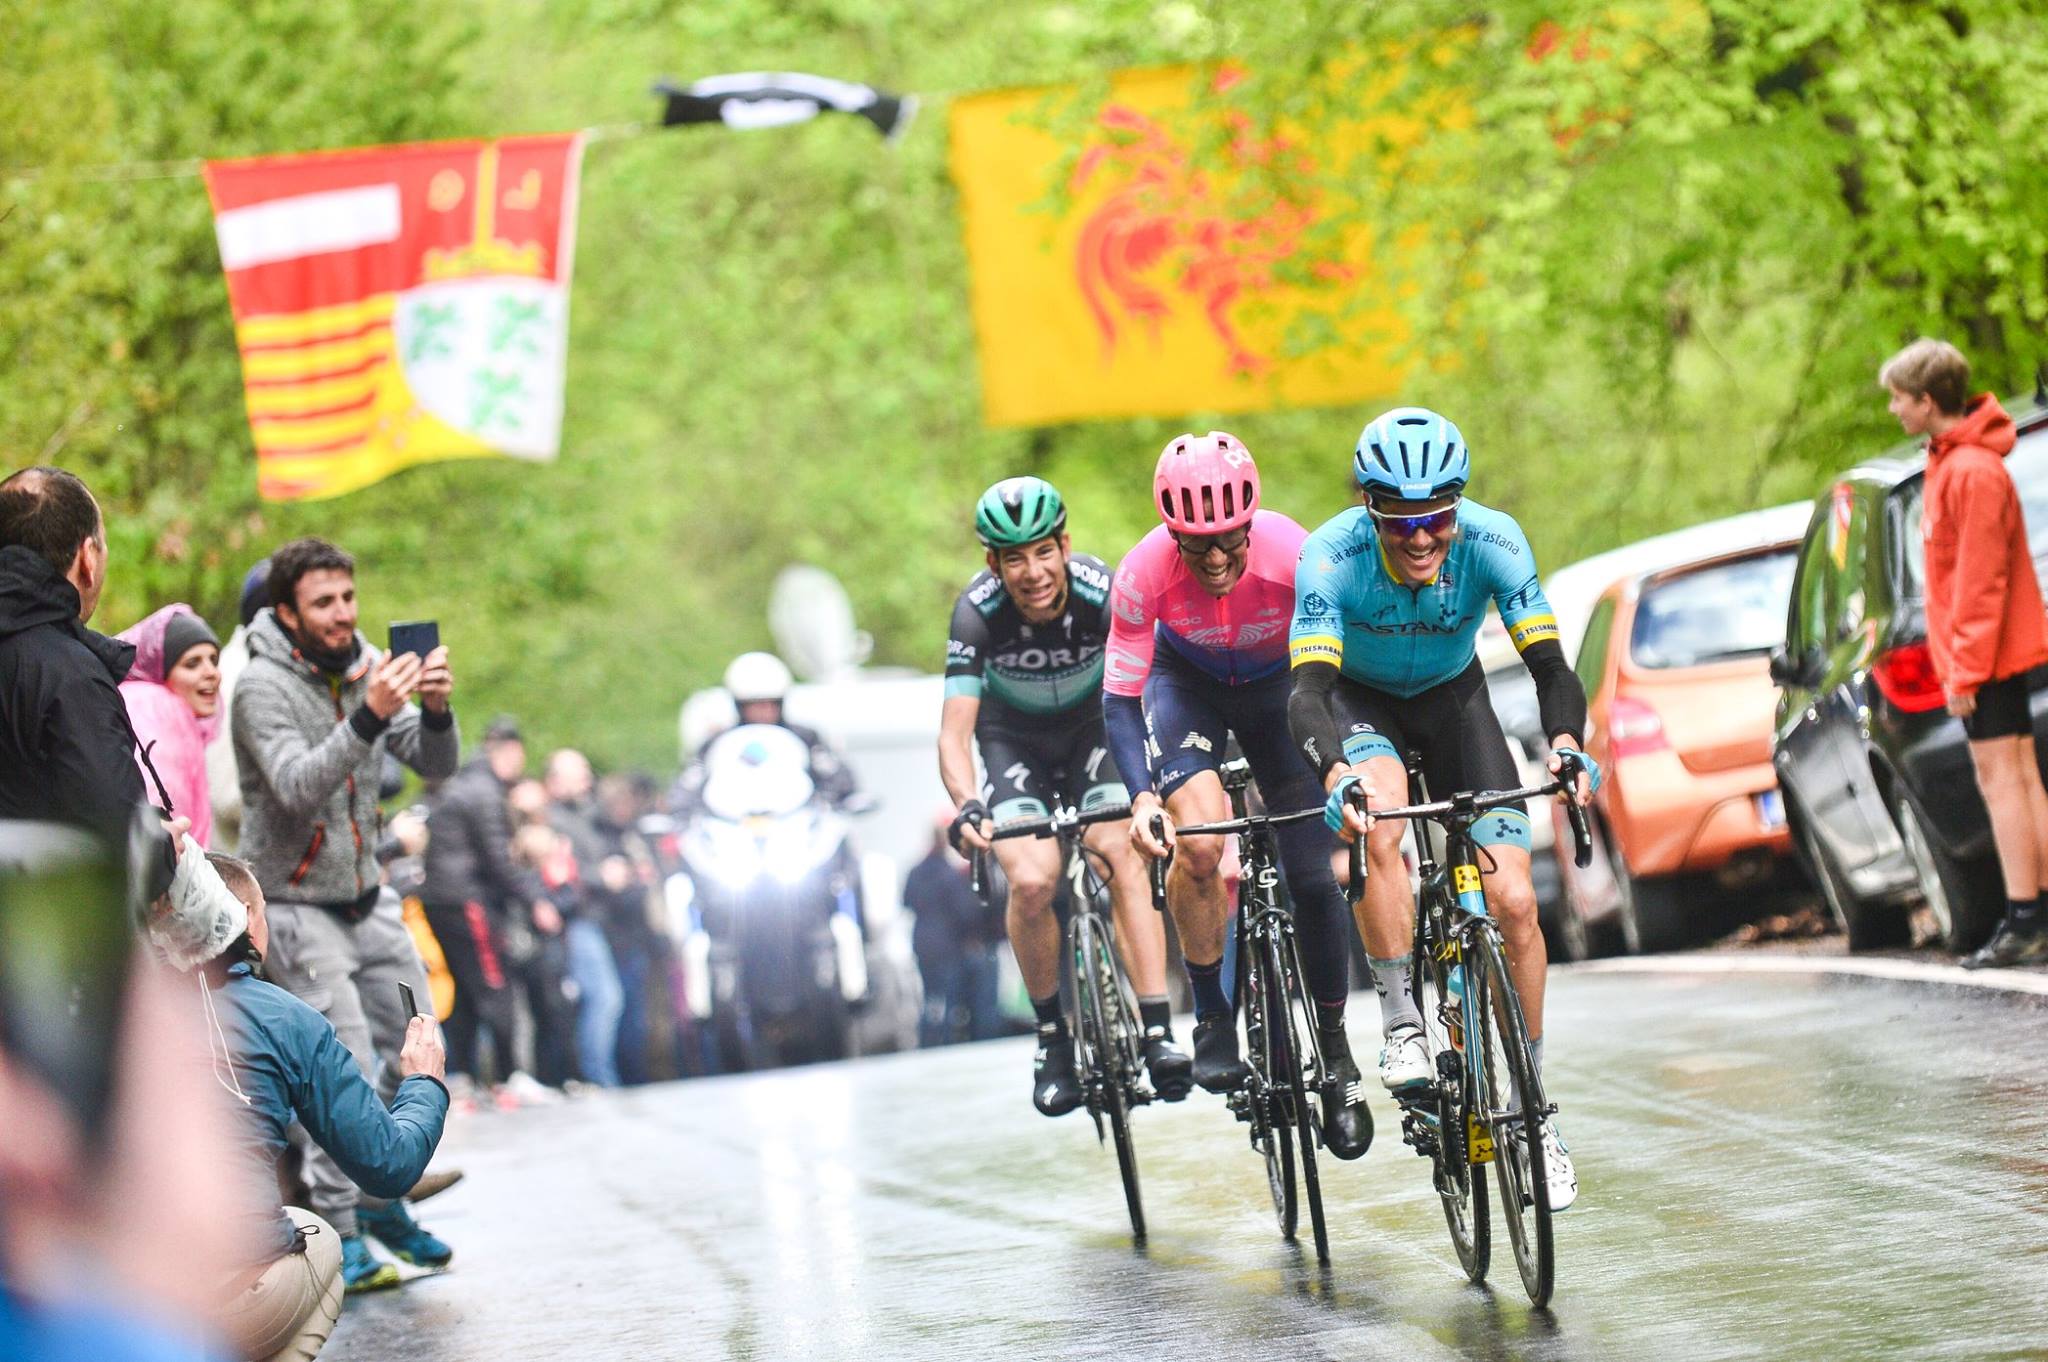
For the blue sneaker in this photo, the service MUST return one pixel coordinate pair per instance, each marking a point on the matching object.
(362, 1270)
(395, 1228)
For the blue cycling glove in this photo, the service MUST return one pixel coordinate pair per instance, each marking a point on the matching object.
(1333, 808)
(1573, 755)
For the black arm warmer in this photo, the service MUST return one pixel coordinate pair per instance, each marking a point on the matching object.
(1560, 698)
(1123, 725)
(1311, 721)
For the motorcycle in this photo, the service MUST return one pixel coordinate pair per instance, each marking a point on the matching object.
(775, 957)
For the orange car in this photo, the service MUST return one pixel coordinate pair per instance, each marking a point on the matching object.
(1681, 705)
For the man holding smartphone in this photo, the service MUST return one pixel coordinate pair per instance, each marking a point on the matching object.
(314, 714)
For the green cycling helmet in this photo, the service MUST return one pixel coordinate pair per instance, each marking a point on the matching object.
(1018, 511)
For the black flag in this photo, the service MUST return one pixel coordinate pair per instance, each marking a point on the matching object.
(770, 99)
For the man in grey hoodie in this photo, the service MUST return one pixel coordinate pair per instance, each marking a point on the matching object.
(315, 710)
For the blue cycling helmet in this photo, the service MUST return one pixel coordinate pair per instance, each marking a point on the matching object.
(1411, 454)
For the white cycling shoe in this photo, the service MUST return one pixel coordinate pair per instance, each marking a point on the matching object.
(1404, 1060)
(1558, 1172)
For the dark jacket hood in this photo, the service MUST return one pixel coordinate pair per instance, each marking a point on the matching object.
(33, 595)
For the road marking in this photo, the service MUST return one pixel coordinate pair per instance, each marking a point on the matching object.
(1915, 971)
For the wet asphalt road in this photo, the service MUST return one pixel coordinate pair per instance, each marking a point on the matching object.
(1781, 1166)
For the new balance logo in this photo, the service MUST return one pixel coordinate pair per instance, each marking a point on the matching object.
(1198, 742)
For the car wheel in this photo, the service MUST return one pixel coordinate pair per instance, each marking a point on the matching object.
(1868, 926)
(1649, 909)
(1572, 939)
(1963, 898)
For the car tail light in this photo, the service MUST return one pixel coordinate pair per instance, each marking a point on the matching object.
(1634, 728)
(1905, 676)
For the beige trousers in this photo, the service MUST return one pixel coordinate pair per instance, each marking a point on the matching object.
(286, 1314)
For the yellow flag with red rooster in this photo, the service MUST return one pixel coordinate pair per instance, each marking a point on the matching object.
(1175, 260)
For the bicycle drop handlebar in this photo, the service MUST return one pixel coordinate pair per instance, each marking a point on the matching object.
(1052, 825)
(1468, 806)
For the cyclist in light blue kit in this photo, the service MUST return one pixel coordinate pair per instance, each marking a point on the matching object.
(1389, 599)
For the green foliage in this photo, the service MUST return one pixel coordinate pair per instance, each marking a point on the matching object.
(1673, 309)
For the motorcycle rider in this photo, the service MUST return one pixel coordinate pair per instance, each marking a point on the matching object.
(758, 684)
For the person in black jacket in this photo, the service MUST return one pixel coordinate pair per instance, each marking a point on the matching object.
(66, 752)
(471, 884)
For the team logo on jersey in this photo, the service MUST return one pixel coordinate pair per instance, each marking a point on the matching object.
(1198, 742)
(1088, 574)
(957, 651)
(980, 593)
(1259, 633)
(1018, 774)
(1316, 605)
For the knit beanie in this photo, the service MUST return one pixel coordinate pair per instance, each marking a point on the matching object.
(182, 633)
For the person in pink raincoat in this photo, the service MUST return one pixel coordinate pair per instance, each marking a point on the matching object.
(173, 695)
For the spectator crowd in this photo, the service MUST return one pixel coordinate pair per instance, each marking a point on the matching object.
(323, 998)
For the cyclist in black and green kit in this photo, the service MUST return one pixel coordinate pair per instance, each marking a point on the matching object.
(1024, 682)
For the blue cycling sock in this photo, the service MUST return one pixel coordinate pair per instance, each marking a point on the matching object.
(1207, 983)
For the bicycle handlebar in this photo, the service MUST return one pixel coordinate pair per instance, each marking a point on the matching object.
(1469, 805)
(1248, 823)
(1054, 823)
(1049, 826)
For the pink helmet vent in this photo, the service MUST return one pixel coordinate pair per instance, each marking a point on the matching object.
(1206, 484)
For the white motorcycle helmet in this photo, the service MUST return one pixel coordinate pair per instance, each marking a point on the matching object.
(757, 676)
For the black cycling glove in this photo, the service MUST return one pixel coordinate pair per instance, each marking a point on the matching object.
(973, 811)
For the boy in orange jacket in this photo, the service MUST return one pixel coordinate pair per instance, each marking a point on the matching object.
(1985, 624)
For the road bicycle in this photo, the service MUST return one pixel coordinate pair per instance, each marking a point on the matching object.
(1486, 1103)
(1102, 1007)
(1280, 1098)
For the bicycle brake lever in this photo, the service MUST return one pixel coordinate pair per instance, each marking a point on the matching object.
(1582, 836)
(1356, 797)
(1158, 868)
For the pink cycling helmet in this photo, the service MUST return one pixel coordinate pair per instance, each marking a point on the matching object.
(1206, 484)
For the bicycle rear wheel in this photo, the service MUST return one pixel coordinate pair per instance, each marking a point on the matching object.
(1511, 1099)
(1460, 1183)
(1273, 1138)
(1105, 1074)
(1291, 1058)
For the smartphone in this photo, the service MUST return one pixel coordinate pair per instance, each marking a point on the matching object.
(412, 1008)
(418, 637)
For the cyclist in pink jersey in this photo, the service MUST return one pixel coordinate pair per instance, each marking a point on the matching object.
(1198, 652)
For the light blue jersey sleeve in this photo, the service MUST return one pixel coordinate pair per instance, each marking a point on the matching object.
(1317, 632)
(1509, 564)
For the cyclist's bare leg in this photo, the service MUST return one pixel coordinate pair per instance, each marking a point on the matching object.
(1141, 935)
(1032, 866)
(1511, 899)
(1195, 890)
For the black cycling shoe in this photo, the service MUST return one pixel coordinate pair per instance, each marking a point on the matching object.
(1171, 1070)
(1055, 1089)
(2011, 945)
(1217, 1067)
(1347, 1121)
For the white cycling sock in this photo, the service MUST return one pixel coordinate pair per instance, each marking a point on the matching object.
(1397, 999)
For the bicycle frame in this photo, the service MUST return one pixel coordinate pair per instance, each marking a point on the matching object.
(1285, 1060)
(1102, 1006)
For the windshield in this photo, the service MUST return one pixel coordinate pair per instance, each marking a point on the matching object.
(2028, 464)
(1715, 614)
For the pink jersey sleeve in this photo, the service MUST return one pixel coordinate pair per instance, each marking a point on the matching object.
(1133, 605)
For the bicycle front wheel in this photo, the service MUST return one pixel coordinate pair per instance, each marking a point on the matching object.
(1460, 1181)
(1512, 1108)
(1291, 1064)
(1273, 1138)
(1106, 1025)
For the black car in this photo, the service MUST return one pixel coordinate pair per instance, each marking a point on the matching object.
(1878, 785)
